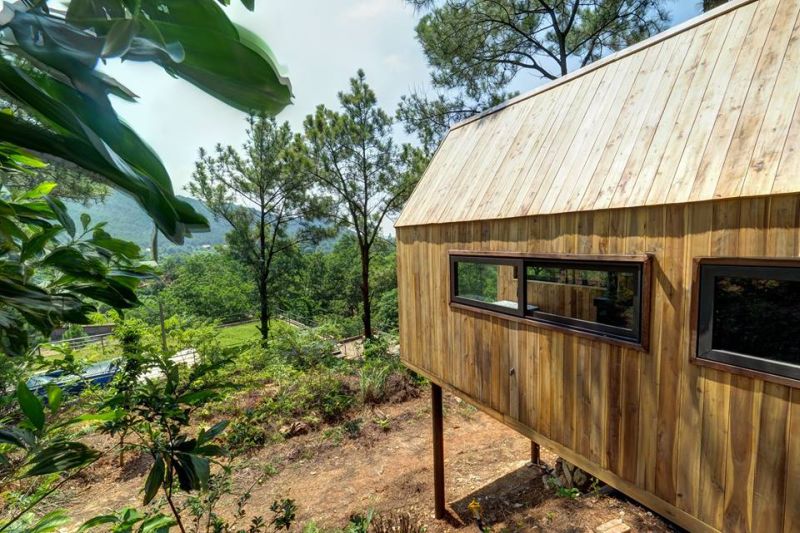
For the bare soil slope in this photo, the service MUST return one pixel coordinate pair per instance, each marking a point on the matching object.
(332, 474)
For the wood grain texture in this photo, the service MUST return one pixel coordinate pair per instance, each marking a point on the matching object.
(707, 111)
(707, 448)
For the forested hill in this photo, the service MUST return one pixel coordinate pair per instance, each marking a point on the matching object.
(127, 220)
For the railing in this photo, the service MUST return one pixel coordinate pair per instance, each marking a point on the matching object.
(104, 339)
(107, 340)
(295, 319)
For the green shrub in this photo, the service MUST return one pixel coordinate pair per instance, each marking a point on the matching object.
(372, 382)
(341, 326)
(328, 395)
(319, 392)
(377, 347)
(353, 427)
(386, 311)
(311, 397)
(245, 434)
(302, 348)
(378, 367)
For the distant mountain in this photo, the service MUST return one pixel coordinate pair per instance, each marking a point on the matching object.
(127, 220)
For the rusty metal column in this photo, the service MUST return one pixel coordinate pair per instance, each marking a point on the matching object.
(536, 457)
(438, 451)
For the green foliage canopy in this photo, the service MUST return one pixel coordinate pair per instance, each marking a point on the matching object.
(351, 156)
(210, 285)
(259, 192)
(49, 267)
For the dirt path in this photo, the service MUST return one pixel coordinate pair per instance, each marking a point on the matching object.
(387, 467)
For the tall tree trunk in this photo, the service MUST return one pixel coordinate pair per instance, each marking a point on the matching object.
(263, 300)
(154, 251)
(263, 273)
(365, 292)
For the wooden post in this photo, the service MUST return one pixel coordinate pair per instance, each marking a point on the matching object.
(536, 457)
(438, 451)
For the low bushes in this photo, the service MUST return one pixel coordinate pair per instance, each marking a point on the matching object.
(372, 382)
(382, 378)
(304, 386)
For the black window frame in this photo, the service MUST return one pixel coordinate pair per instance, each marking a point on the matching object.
(706, 269)
(640, 263)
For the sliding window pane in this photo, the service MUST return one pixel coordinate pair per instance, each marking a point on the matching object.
(585, 295)
(487, 283)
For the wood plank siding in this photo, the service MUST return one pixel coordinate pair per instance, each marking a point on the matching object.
(709, 449)
(708, 110)
(684, 146)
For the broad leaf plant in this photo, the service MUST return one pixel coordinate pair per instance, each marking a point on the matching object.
(49, 58)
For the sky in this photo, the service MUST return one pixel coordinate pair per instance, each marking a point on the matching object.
(322, 43)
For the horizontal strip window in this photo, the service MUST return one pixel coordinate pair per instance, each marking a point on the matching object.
(748, 315)
(603, 297)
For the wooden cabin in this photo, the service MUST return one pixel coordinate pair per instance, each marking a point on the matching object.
(610, 265)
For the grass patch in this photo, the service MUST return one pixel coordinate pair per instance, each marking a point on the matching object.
(239, 334)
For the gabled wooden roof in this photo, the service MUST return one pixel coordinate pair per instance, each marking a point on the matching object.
(706, 110)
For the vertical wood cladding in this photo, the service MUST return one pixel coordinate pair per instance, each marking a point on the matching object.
(709, 449)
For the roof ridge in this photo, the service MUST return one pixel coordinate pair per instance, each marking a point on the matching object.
(616, 56)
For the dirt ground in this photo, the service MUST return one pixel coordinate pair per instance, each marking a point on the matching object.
(386, 467)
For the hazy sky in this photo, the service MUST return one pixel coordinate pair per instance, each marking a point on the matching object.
(321, 42)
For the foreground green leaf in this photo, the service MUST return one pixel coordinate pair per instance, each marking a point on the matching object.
(31, 406)
(60, 457)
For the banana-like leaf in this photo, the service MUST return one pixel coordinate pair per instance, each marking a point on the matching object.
(219, 57)
(119, 38)
(212, 433)
(104, 416)
(35, 245)
(43, 310)
(18, 437)
(60, 457)
(191, 39)
(238, 71)
(49, 523)
(13, 335)
(111, 292)
(71, 261)
(174, 217)
(193, 471)
(117, 246)
(39, 191)
(108, 146)
(98, 521)
(157, 524)
(60, 211)
(54, 397)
